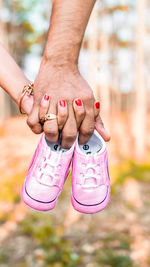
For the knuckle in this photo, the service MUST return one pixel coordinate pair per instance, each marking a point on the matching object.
(42, 118)
(50, 131)
(87, 131)
(90, 132)
(66, 145)
(30, 122)
(35, 127)
(51, 139)
(63, 116)
(90, 96)
(36, 131)
(69, 137)
(53, 133)
(80, 113)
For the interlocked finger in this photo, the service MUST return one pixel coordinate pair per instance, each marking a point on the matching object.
(87, 127)
(50, 126)
(69, 132)
(62, 114)
(79, 111)
(44, 106)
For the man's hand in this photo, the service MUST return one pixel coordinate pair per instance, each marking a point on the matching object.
(64, 83)
(60, 79)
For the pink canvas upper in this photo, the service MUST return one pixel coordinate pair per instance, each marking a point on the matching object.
(47, 173)
(90, 177)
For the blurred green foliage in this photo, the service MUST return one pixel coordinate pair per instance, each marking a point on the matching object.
(26, 25)
(123, 241)
(3, 257)
(115, 251)
(110, 258)
(129, 169)
(10, 188)
(51, 248)
(57, 250)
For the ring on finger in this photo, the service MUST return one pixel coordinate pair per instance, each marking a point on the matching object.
(50, 116)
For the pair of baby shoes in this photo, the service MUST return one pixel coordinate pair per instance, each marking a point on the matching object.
(49, 169)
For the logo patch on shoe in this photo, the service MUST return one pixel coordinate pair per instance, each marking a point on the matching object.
(55, 147)
(86, 147)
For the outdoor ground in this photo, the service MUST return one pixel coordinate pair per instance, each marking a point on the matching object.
(119, 236)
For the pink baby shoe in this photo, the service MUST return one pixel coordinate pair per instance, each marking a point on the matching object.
(46, 175)
(90, 176)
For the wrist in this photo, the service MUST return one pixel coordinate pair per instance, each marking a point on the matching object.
(18, 95)
(62, 54)
(26, 98)
(56, 63)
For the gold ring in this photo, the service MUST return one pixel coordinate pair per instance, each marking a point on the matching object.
(50, 116)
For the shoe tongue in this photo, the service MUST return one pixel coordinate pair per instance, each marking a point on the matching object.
(56, 147)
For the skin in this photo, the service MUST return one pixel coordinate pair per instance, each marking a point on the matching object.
(9, 70)
(60, 79)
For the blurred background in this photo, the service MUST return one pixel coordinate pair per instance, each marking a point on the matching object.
(115, 59)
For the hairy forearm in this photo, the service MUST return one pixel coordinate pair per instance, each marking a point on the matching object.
(68, 22)
(12, 78)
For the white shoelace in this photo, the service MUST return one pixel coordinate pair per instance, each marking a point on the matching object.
(87, 175)
(54, 166)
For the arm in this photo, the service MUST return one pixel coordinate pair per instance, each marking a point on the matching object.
(59, 76)
(68, 23)
(12, 79)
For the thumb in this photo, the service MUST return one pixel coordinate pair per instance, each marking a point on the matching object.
(33, 120)
(27, 104)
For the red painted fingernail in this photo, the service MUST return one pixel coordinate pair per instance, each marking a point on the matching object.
(97, 104)
(78, 102)
(46, 97)
(62, 103)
